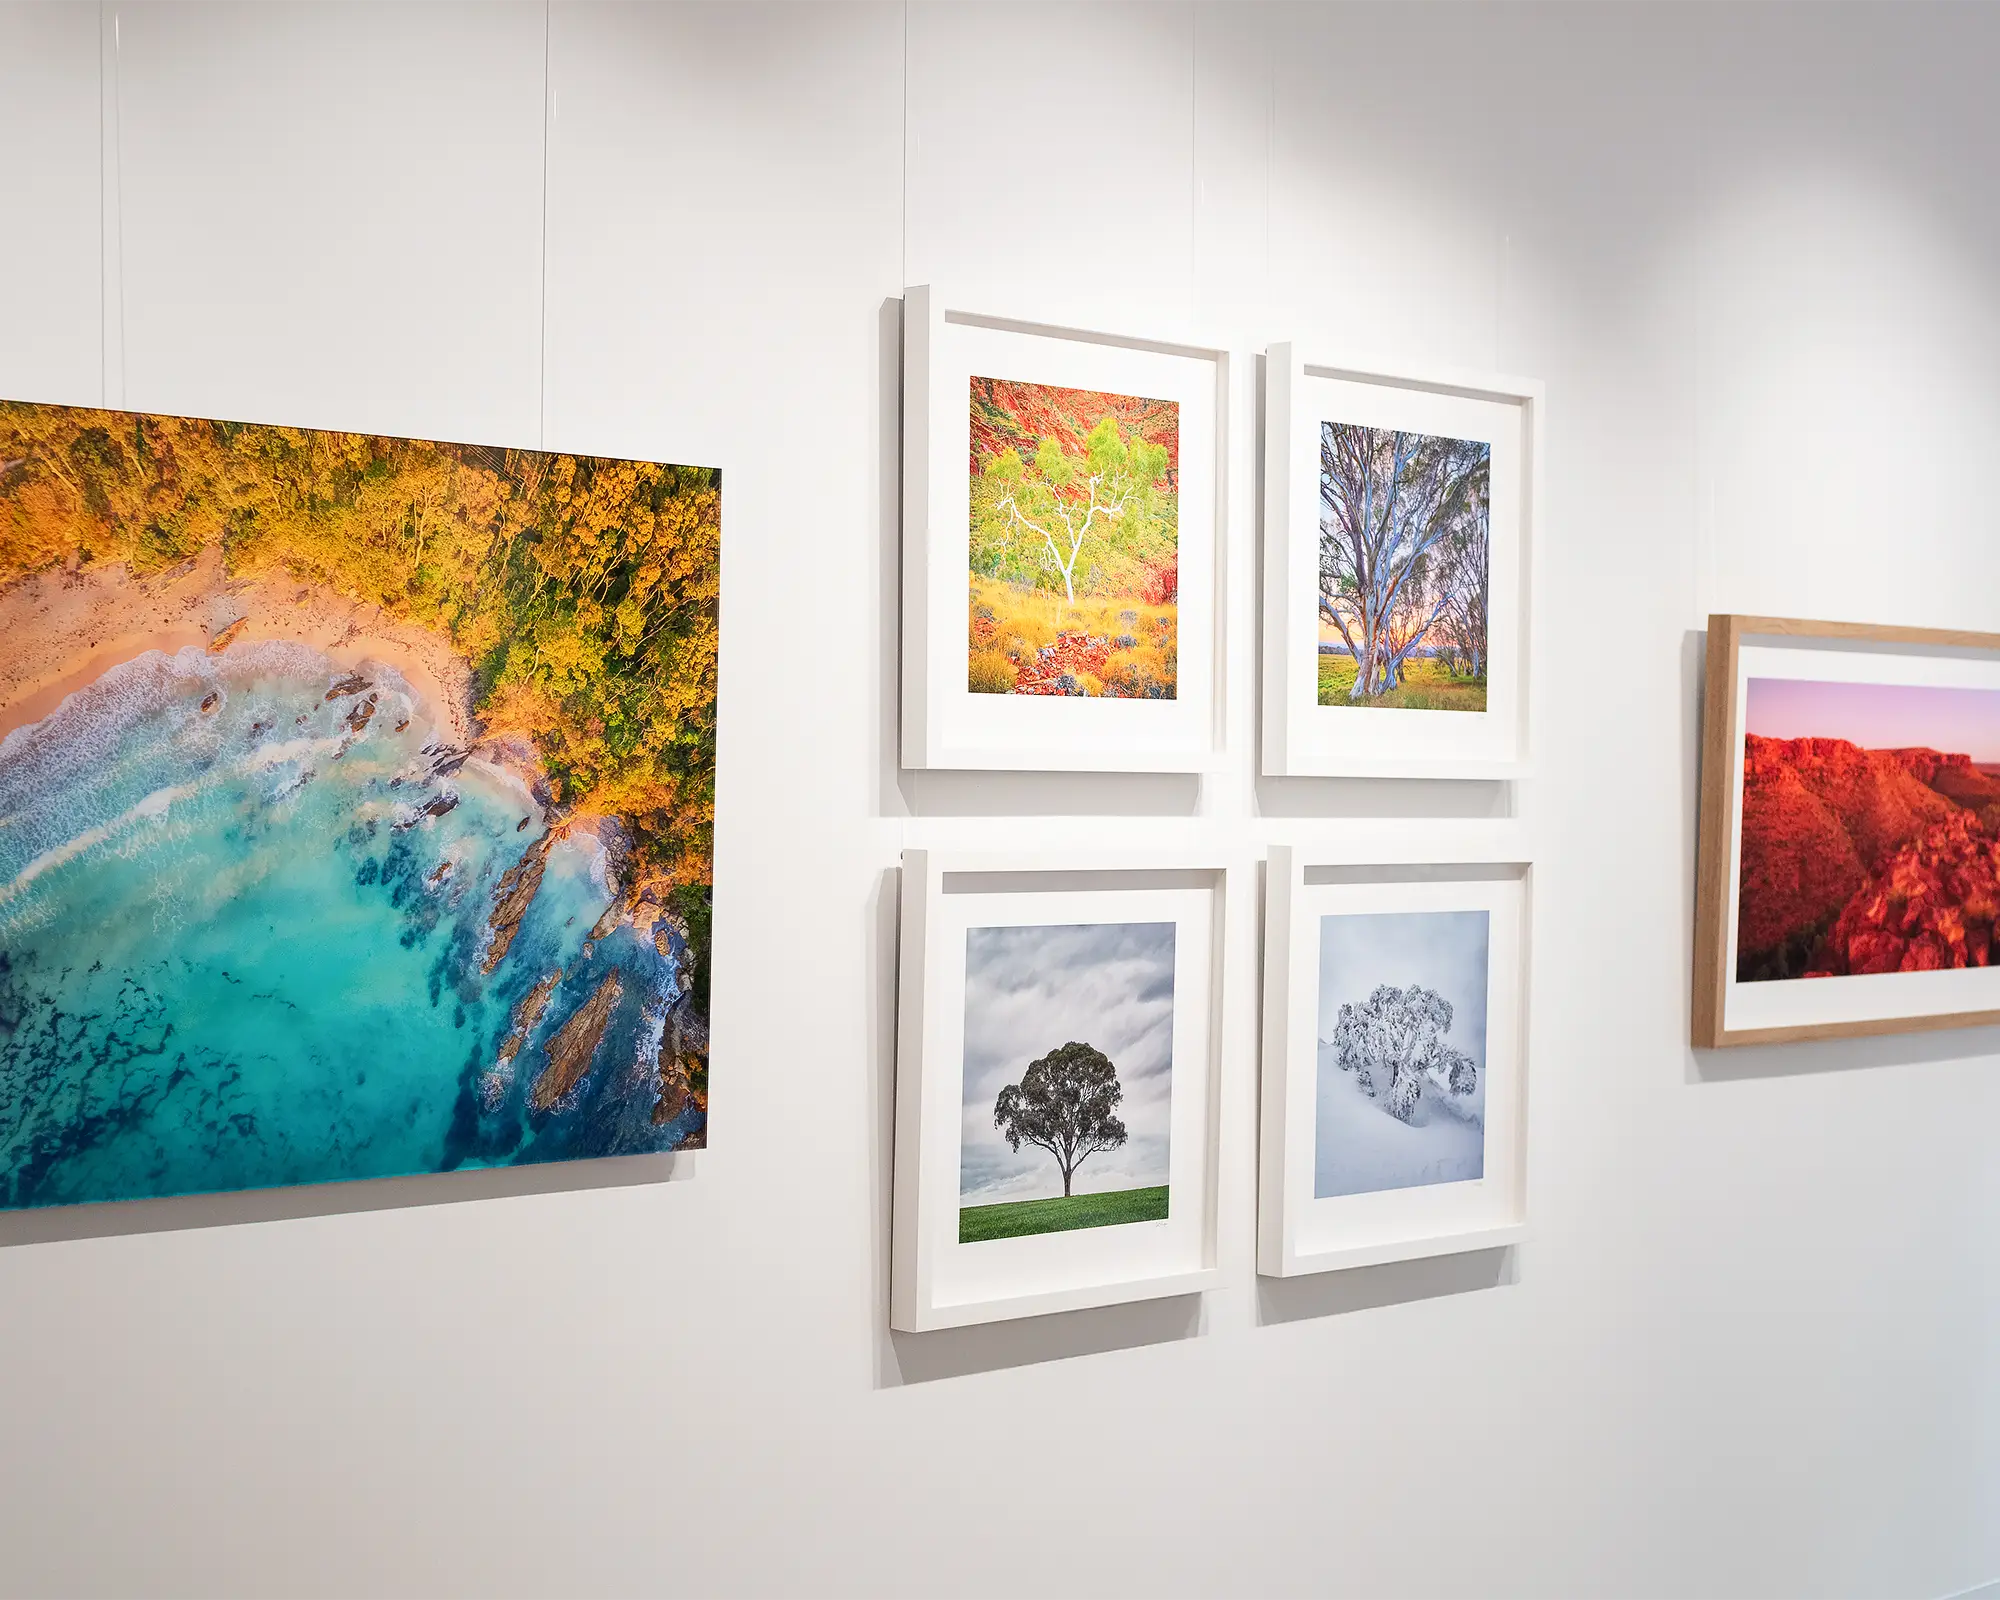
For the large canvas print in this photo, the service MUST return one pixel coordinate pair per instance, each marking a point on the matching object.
(1074, 549)
(356, 804)
(1069, 1055)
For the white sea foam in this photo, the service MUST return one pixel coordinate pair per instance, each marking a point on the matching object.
(506, 779)
(652, 1029)
(596, 859)
(279, 751)
(292, 785)
(153, 807)
(143, 719)
(151, 680)
(109, 769)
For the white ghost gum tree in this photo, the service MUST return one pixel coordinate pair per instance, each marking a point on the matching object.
(1391, 504)
(1393, 1043)
(1463, 625)
(1068, 511)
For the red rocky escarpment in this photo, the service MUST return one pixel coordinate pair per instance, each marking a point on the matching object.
(1860, 860)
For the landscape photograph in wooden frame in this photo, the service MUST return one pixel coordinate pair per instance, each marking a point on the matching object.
(1848, 861)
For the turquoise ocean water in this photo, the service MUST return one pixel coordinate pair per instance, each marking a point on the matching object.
(240, 946)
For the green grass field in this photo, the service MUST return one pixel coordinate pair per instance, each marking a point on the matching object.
(1018, 1217)
(1426, 686)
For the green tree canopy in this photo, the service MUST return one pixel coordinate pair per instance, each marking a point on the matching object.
(1066, 1104)
(582, 590)
(1066, 521)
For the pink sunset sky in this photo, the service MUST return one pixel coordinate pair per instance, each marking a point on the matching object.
(1878, 716)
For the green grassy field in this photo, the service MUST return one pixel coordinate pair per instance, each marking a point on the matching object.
(1426, 686)
(1018, 1217)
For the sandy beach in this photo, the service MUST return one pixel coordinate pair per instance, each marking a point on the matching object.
(61, 630)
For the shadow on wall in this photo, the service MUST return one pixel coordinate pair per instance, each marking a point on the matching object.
(1333, 1294)
(172, 1214)
(1027, 1341)
(882, 932)
(1385, 797)
(994, 1346)
(1741, 1063)
(1050, 794)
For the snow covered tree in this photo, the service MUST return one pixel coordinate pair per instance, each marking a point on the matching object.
(1393, 1043)
(1391, 504)
(1065, 1104)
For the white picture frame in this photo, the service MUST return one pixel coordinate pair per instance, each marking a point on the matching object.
(945, 724)
(1301, 737)
(937, 1279)
(1388, 870)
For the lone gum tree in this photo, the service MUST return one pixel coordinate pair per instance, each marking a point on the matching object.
(1066, 1104)
(1104, 503)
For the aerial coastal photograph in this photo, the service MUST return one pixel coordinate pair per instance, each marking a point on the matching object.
(356, 805)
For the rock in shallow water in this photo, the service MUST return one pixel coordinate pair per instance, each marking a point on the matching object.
(571, 1051)
(434, 807)
(526, 1015)
(511, 898)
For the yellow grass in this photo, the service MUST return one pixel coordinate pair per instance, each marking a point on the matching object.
(1007, 626)
(1426, 686)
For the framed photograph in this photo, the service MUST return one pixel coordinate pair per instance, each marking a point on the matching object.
(1399, 533)
(1395, 1053)
(1056, 1084)
(1848, 871)
(1062, 512)
(357, 800)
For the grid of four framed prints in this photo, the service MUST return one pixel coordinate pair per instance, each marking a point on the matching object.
(1060, 1057)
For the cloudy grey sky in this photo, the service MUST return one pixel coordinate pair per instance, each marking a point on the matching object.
(1028, 990)
(1442, 950)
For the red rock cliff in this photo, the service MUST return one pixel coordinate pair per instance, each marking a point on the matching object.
(1889, 851)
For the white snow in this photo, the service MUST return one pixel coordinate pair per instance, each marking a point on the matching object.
(1359, 1148)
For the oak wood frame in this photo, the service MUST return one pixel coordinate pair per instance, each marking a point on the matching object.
(1716, 841)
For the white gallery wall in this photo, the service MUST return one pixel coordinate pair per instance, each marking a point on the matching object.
(1754, 253)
